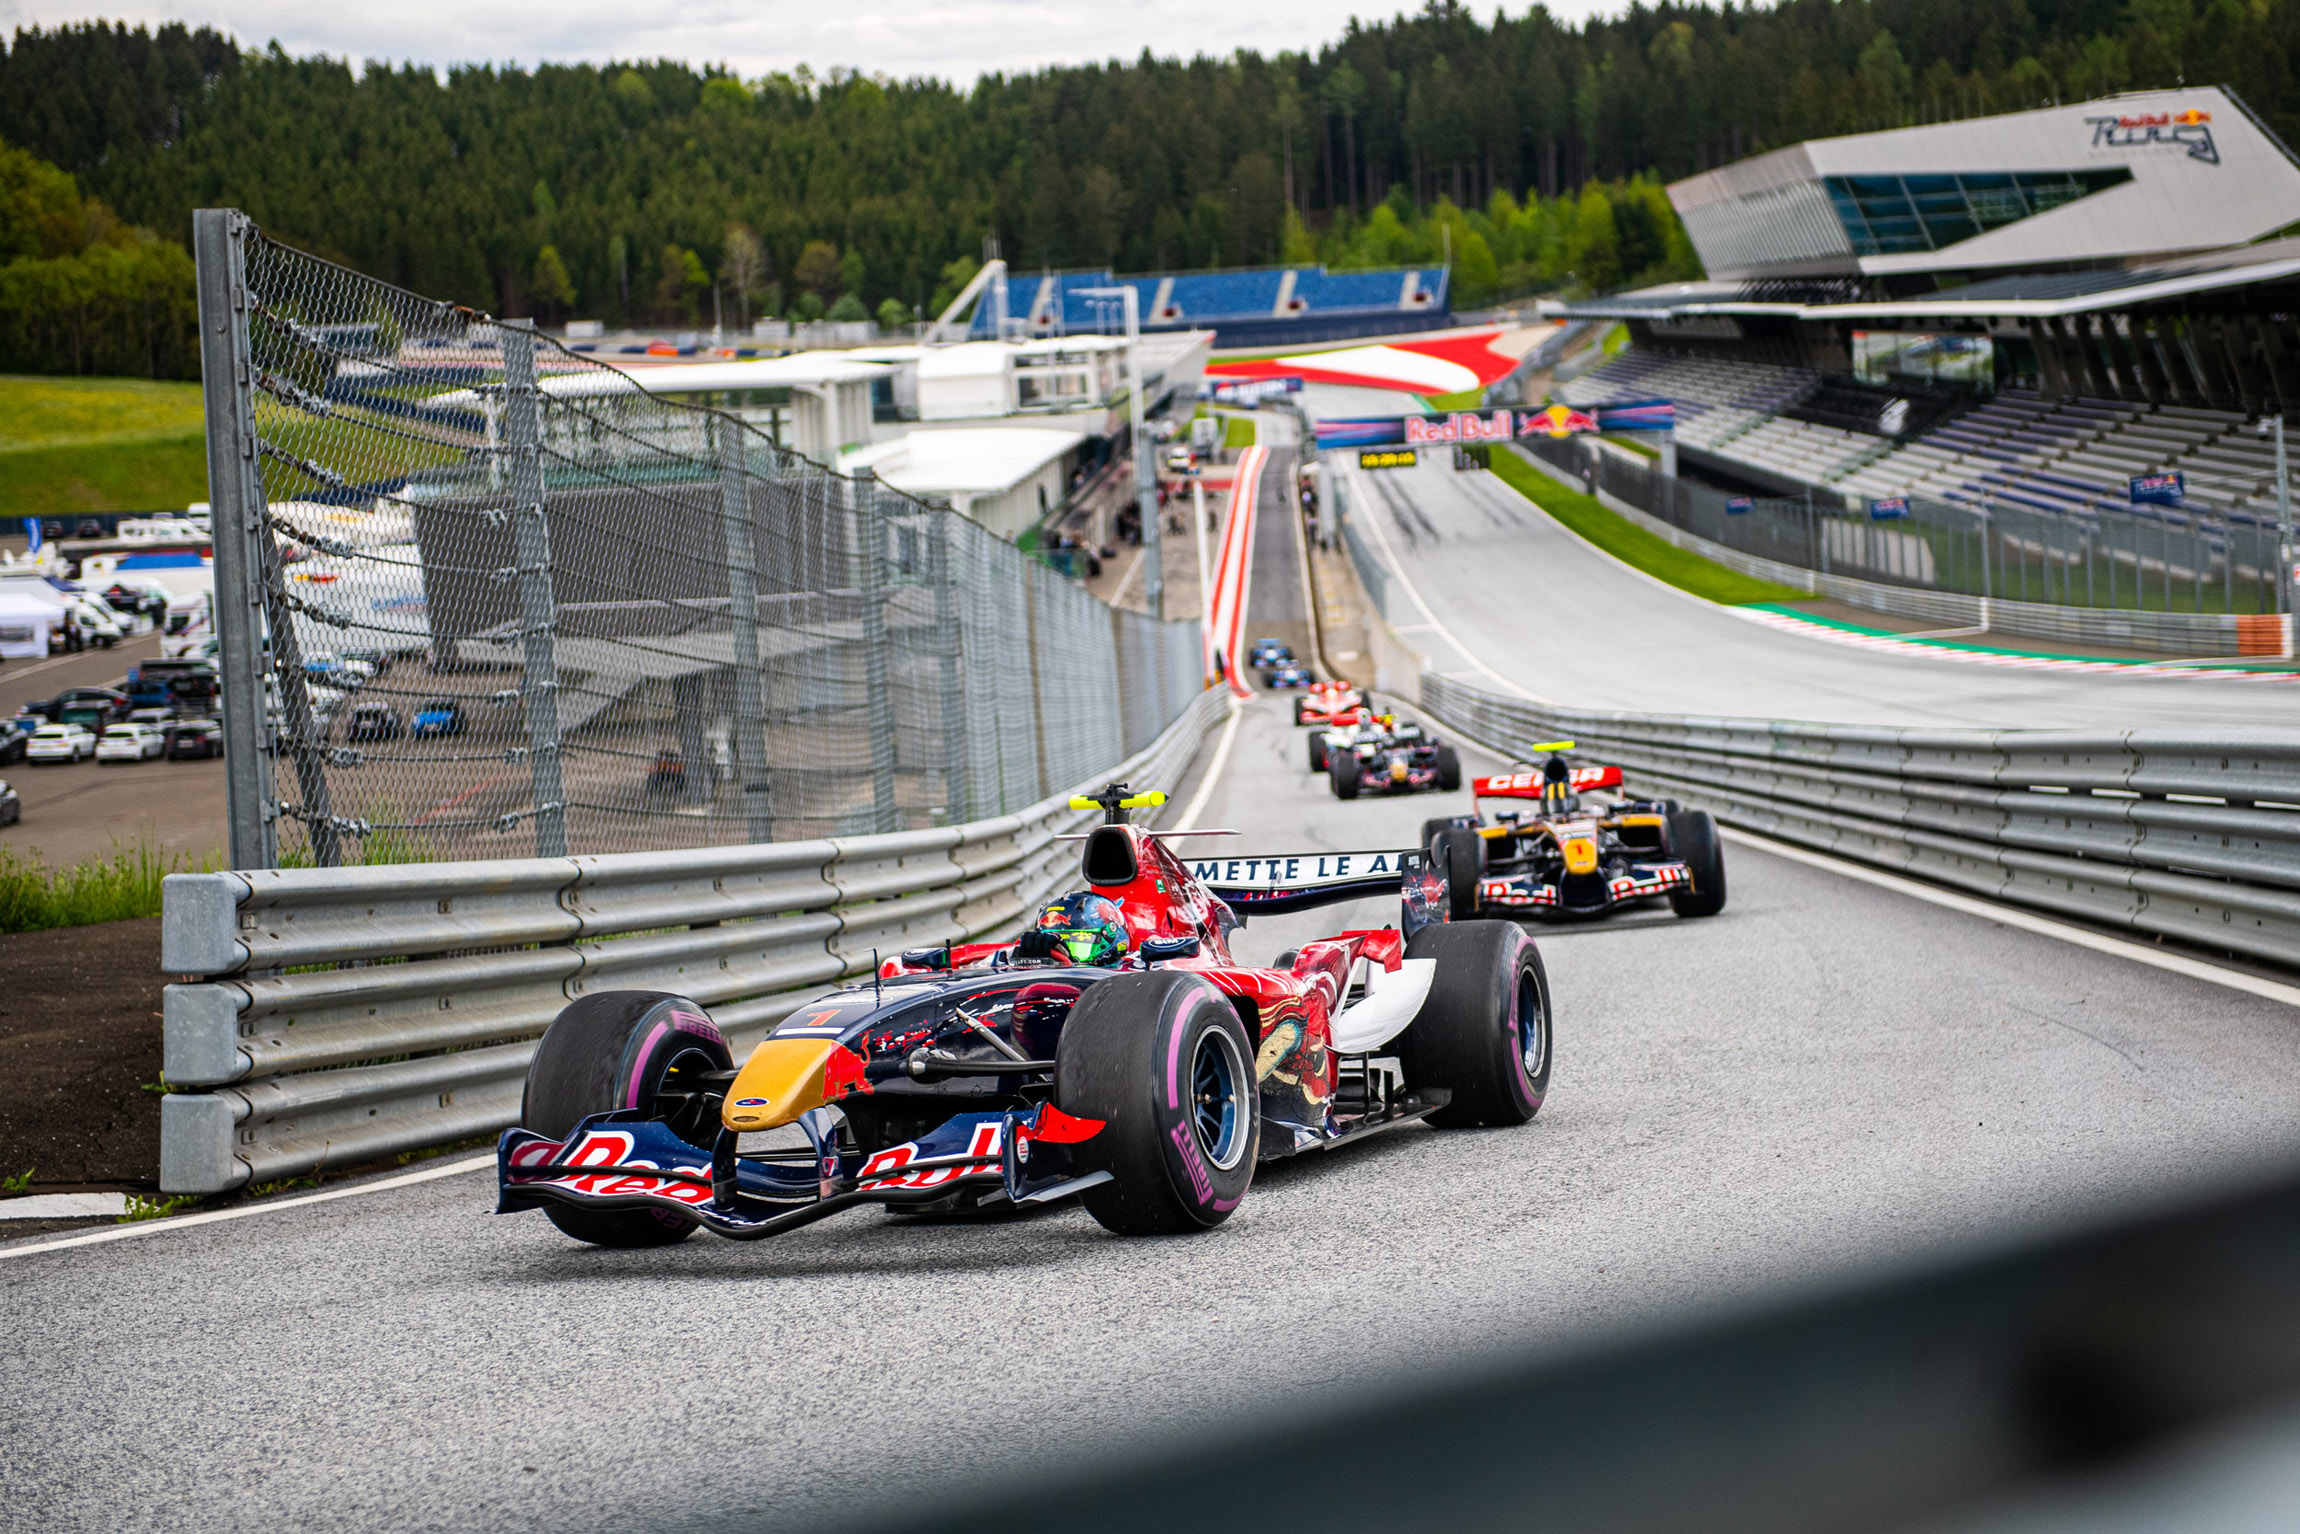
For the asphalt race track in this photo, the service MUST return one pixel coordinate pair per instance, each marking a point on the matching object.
(1826, 1076)
(1506, 586)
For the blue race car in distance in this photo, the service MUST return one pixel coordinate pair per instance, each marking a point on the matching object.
(1292, 674)
(1267, 653)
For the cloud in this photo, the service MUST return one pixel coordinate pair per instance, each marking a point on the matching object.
(959, 40)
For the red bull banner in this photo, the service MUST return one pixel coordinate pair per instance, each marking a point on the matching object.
(1469, 427)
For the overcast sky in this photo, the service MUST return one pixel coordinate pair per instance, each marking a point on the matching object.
(957, 39)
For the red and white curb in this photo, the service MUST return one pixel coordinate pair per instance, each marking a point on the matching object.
(1894, 645)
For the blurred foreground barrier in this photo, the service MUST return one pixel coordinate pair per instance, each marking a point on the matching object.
(2112, 1380)
(351, 1013)
(2189, 836)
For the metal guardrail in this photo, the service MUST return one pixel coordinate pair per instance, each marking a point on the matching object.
(349, 1013)
(2187, 836)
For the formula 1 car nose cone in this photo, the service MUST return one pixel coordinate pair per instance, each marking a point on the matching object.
(782, 1079)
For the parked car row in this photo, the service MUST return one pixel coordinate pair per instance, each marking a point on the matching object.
(178, 740)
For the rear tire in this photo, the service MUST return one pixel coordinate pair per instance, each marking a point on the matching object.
(1448, 770)
(614, 1050)
(1299, 705)
(1318, 752)
(1462, 853)
(1483, 1033)
(1164, 1062)
(1693, 840)
(1342, 772)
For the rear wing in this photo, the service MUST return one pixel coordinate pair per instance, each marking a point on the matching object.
(1527, 785)
(1301, 882)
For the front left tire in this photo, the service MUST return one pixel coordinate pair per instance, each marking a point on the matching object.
(616, 1050)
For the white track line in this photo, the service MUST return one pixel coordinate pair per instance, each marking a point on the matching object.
(1188, 819)
(1362, 495)
(2012, 916)
(243, 1211)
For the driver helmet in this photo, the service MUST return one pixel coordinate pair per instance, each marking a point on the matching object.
(1086, 928)
(1557, 785)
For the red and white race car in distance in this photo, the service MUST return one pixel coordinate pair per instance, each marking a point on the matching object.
(1117, 1052)
(1331, 704)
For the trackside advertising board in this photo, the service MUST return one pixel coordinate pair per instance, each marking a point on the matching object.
(2159, 489)
(1247, 391)
(1470, 427)
(1889, 508)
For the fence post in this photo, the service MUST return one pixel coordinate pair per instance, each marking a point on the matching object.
(235, 497)
(531, 554)
(956, 800)
(743, 628)
(870, 548)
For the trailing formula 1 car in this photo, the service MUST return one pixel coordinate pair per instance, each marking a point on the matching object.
(1567, 859)
(1379, 730)
(1267, 653)
(1387, 756)
(1328, 704)
(1116, 1052)
(1290, 675)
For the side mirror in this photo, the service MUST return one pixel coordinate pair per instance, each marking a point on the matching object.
(1155, 948)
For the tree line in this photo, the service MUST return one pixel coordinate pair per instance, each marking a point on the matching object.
(1529, 149)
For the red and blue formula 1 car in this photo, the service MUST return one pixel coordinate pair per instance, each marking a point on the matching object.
(1116, 1051)
(1566, 859)
(1387, 756)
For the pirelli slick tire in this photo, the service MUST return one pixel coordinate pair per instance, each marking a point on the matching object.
(1300, 705)
(1460, 854)
(1448, 770)
(1483, 1032)
(1162, 1059)
(1693, 841)
(1343, 773)
(625, 1049)
(1318, 751)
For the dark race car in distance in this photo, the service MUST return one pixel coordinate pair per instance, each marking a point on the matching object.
(1390, 757)
(1290, 675)
(1266, 653)
(1565, 858)
(1116, 1052)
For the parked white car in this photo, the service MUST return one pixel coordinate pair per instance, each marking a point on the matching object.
(130, 743)
(60, 743)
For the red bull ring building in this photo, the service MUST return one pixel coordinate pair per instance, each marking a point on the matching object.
(2040, 303)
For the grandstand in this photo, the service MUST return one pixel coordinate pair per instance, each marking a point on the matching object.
(1868, 333)
(1259, 306)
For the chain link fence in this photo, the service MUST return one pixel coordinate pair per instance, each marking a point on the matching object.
(2147, 559)
(479, 597)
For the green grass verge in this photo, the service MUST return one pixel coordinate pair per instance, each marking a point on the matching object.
(122, 887)
(1633, 545)
(1639, 448)
(76, 445)
(1467, 399)
(1239, 431)
(42, 412)
(131, 474)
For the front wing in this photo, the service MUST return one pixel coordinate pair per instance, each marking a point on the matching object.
(624, 1160)
(1531, 893)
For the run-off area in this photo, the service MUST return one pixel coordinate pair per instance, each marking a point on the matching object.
(1826, 1076)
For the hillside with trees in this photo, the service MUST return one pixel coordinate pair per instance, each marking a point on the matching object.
(1530, 150)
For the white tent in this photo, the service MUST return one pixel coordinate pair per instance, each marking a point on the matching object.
(25, 623)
